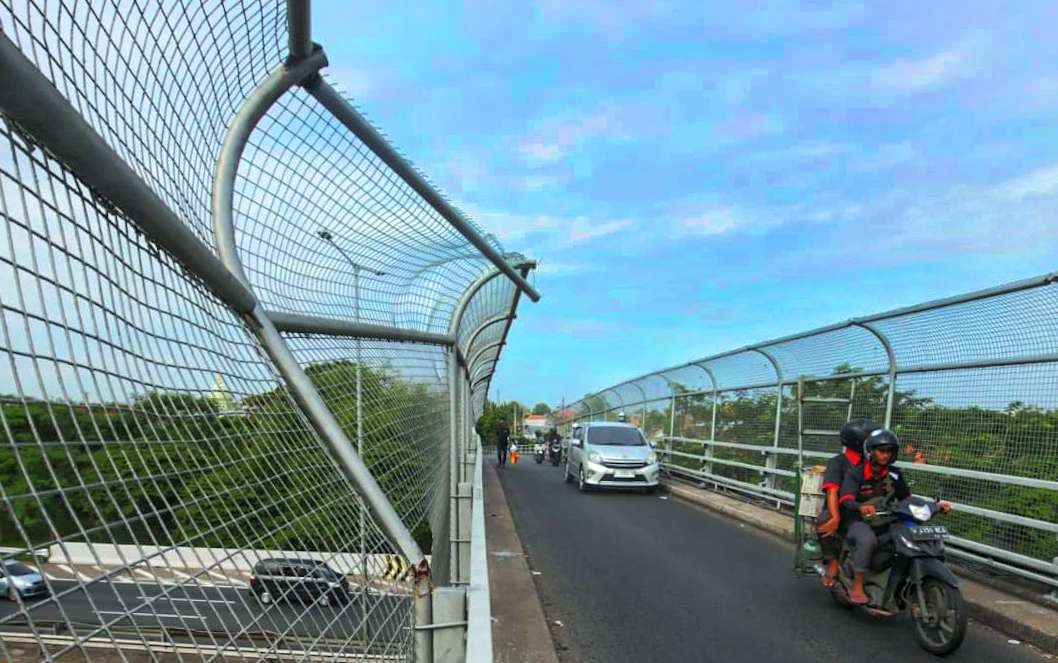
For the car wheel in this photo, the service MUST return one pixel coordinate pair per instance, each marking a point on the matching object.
(569, 477)
(582, 483)
(264, 597)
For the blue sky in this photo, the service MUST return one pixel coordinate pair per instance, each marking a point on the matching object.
(693, 179)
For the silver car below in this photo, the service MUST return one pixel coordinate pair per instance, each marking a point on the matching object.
(18, 579)
(612, 455)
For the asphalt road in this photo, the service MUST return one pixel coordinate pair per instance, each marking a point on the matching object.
(632, 577)
(209, 614)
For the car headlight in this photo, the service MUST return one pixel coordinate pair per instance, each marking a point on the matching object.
(921, 512)
(595, 457)
(652, 458)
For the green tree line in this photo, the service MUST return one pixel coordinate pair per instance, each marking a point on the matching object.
(184, 469)
(1019, 440)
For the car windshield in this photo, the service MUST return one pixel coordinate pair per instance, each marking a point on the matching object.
(326, 573)
(616, 436)
(18, 568)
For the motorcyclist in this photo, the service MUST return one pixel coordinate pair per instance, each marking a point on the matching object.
(829, 525)
(554, 438)
(865, 487)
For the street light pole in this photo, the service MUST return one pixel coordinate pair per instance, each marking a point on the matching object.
(327, 237)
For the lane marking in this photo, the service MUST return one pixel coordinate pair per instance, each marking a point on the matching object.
(147, 614)
(76, 574)
(221, 576)
(159, 597)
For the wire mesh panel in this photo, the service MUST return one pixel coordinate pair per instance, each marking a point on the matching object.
(152, 463)
(968, 384)
(325, 228)
(185, 470)
(159, 81)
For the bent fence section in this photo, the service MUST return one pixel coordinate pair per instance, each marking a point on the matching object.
(236, 326)
(969, 383)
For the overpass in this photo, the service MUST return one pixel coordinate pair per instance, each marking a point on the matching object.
(239, 326)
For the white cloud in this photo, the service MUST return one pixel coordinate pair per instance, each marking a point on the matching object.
(548, 268)
(714, 221)
(538, 182)
(915, 75)
(558, 136)
(1040, 182)
(549, 231)
(907, 76)
(357, 83)
(540, 152)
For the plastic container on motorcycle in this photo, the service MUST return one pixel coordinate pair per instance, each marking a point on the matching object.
(812, 497)
(811, 551)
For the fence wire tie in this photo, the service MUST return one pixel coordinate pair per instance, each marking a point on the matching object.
(28, 142)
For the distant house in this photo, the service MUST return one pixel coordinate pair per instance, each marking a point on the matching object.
(564, 415)
(535, 422)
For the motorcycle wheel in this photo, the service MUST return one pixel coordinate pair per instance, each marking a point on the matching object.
(943, 631)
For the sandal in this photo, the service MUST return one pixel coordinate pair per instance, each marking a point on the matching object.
(860, 599)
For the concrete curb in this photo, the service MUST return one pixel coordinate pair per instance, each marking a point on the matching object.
(519, 627)
(1016, 617)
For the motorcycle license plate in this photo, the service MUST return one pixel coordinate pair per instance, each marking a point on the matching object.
(928, 532)
(624, 474)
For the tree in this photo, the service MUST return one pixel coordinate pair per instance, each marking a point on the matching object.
(490, 419)
(541, 408)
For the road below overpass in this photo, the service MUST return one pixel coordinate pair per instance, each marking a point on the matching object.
(211, 616)
(632, 577)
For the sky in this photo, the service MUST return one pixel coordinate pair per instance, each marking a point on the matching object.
(693, 179)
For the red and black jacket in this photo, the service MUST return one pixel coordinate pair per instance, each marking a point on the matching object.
(864, 483)
(838, 467)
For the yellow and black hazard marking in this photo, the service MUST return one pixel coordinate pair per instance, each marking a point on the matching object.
(397, 568)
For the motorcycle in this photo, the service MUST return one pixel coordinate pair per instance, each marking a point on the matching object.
(555, 452)
(538, 452)
(908, 574)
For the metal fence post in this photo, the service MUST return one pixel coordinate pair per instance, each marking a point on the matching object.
(707, 452)
(891, 357)
(772, 462)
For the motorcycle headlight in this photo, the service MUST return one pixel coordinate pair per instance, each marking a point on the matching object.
(921, 512)
(652, 458)
(595, 457)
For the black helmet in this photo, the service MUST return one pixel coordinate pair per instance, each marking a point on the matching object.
(880, 439)
(854, 433)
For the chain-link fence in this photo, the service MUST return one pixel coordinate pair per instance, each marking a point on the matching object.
(243, 343)
(970, 384)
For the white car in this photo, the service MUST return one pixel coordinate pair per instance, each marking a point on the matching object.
(609, 454)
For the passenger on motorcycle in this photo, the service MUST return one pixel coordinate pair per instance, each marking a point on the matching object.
(865, 487)
(829, 525)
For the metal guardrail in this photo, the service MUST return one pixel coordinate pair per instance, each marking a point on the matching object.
(969, 383)
(479, 608)
(234, 319)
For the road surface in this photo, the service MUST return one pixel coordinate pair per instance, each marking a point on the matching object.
(633, 577)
